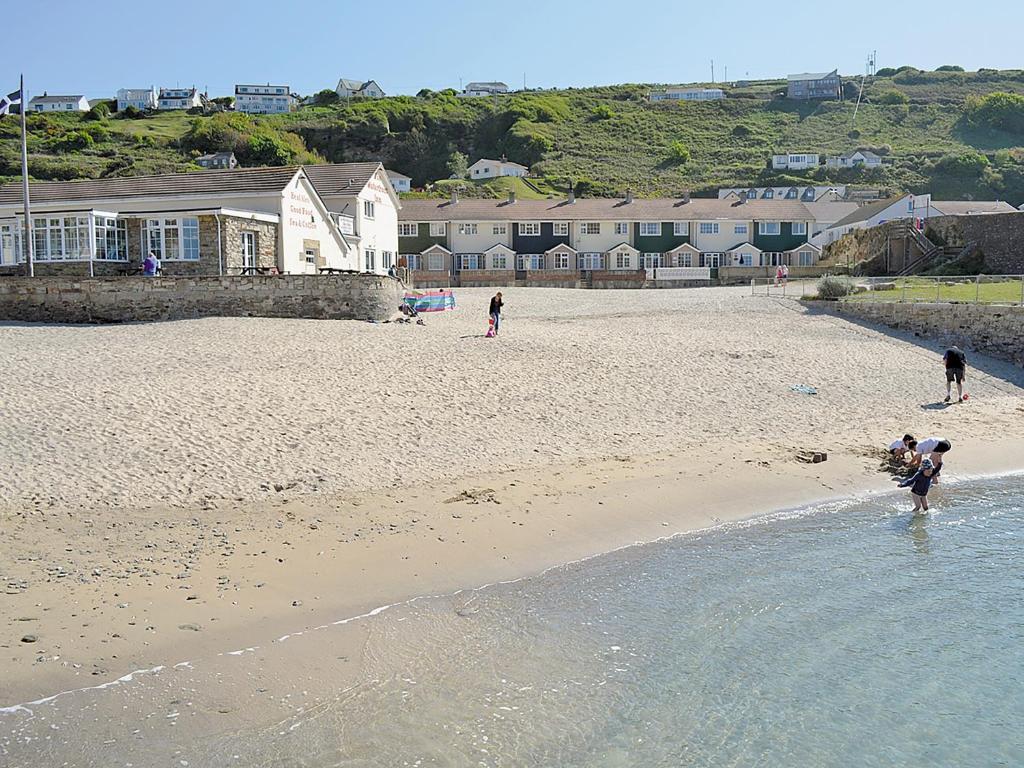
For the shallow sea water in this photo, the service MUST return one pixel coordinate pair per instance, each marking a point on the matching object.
(850, 634)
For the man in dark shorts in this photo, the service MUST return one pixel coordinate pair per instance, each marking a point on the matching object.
(956, 363)
(494, 310)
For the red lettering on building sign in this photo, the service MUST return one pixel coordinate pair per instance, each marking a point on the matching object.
(302, 223)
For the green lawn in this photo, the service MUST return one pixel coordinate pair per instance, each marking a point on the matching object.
(989, 290)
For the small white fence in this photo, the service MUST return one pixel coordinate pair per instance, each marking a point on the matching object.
(678, 273)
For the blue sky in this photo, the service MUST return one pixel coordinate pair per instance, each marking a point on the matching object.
(98, 46)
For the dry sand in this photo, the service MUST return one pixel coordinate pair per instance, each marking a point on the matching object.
(179, 489)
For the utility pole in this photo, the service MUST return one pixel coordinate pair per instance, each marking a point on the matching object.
(712, 70)
(27, 245)
(725, 77)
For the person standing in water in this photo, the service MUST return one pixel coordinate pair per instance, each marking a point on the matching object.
(919, 484)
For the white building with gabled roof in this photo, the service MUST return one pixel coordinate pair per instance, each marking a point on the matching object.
(367, 89)
(492, 169)
(47, 103)
(484, 89)
(263, 99)
(139, 98)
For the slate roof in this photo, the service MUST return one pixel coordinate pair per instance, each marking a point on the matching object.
(341, 178)
(204, 183)
(812, 75)
(54, 99)
(602, 209)
(968, 207)
(865, 212)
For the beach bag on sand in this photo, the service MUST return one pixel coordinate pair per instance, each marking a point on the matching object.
(490, 327)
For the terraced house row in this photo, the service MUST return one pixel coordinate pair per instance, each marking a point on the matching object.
(547, 241)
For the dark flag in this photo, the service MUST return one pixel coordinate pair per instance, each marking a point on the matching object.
(8, 101)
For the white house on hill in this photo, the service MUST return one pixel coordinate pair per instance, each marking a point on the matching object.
(860, 157)
(688, 94)
(263, 99)
(797, 161)
(400, 181)
(140, 98)
(484, 89)
(491, 169)
(366, 88)
(179, 98)
(47, 103)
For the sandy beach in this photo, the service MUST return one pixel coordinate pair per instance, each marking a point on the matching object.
(176, 490)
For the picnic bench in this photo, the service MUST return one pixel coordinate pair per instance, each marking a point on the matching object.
(259, 271)
(337, 271)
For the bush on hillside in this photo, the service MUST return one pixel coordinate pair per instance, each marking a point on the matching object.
(325, 97)
(1001, 111)
(949, 68)
(831, 288)
(962, 164)
(678, 153)
(602, 112)
(131, 113)
(885, 72)
(73, 142)
(457, 165)
(892, 96)
(741, 131)
(99, 111)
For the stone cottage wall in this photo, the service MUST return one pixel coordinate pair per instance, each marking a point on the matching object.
(128, 299)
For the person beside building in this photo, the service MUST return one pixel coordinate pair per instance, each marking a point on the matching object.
(151, 265)
(956, 368)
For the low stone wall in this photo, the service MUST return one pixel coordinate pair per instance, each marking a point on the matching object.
(618, 279)
(999, 237)
(481, 278)
(128, 299)
(743, 275)
(993, 330)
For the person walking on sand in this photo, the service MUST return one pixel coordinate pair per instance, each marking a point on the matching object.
(919, 484)
(956, 366)
(495, 312)
(778, 275)
(785, 273)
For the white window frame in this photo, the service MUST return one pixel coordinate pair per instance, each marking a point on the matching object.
(111, 232)
(370, 260)
(470, 261)
(160, 227)
(709, 228)
(499, 260)
(684, 259)
(406, 229)
(766, 227)
(592, 227)
(621, 228)
(646, 228)
(591, 261)
(412, 261)
(680, 228)
(438, 228)
(805, 258)
(561, 260)
(741, 229)
(499, 229)
(369, 209)
(247, 238)
(529, 228)
(623, 260)
(650, 260)
(435, 262)
(468, 229)
(560, 229)
(799, 227)
(743, 259)
(530, 262)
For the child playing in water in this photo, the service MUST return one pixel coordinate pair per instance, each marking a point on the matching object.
(919, 484)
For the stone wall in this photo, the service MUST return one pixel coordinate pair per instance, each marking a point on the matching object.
(127, 299)
(231, 237)
(998, 236)
(480, 278)
(743, 275)
(993, 330)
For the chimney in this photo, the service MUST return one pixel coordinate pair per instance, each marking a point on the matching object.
(455, 195)
(572, 193)
(511, 196)
(629, 196)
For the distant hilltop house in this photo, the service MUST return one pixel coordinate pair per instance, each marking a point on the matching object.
(491, 169)
(484, 89)
(805, 194)
(688, 94)
(263, 99)
(795, 161)
(47, 103)
(859, 158)
(366, 88)
(217, 160)
(178, 98)
(140, 98)
(815, 85)
(400, 181)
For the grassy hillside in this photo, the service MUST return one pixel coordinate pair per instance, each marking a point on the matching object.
(935, 131)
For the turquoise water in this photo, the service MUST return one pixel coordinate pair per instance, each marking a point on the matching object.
(846, 635)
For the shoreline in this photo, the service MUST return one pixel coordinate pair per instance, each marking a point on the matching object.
(527, 518)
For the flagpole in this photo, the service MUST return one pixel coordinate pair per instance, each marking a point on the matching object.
(27, 245)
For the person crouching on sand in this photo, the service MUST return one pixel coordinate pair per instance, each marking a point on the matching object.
(919, 484)
(900, 448)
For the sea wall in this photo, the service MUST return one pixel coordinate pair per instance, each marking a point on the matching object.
(128, 299)
(997, 235)
(993, 330)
